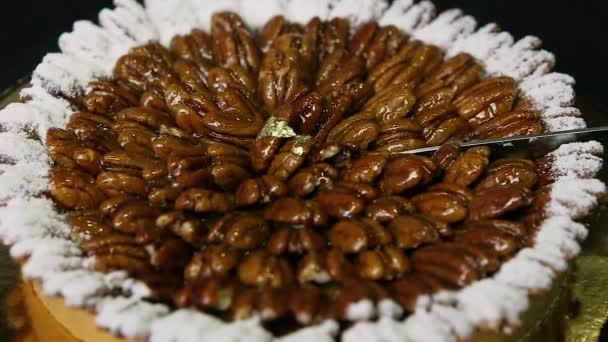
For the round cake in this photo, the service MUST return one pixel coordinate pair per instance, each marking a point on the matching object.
(242, 171)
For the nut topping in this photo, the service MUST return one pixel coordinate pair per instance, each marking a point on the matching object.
(266, 174)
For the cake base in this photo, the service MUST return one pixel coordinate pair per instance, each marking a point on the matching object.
(52, 320)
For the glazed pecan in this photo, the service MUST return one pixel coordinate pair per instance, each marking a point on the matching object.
(386, 263)
(107, 98)
(387, 208)
(134, 138)
(120, 262)
(468, 167)
(406, 173)
(146, 68)
(61, 145)
(334, 36)
(290, 157)
(215, 260)
(341, 70)
(89, 225)
(340, 204)
(409, 65)
(399, 135)
(335, 107)
(356, 132)
(365, 169)
(306, 304)
(216, 293)
(324, 266)
(316, 176)
(203, 201)
(445, 156)
(171, 254)
(492, 238)
(134, 216)
(411, 231)
(376, 43)
(508, 125)
(353, 236)
(281, 78)
(261, 268)
(353, 290)
(242, 231)
(189, 228)
(444, 202)
(294, 240)
(486, 100)
(391, 103)
(447, 264)
(233, 45)
(260, 190)
(228, 116)
(93, 131)
(118, 183)
(407, 290)
(196, 47)
(274, 28)
(458, 73)
(509, 171)
(295, 212)
(499, 200)
(75, 189)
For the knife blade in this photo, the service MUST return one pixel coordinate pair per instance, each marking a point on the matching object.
(532, 145)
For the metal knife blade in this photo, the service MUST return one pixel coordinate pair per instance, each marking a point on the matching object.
(531, 145)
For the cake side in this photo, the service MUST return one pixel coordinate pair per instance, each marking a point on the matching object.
(549, 92)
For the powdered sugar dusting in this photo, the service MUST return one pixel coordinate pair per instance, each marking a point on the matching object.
(522, 59)
(426, 326)
(487, 302)
(362, 310)
(359, 11)
(20, 117)
(56, 109)
(172, 17)
(129, 20)
(45, 246)
(128, 317)
(447, 28)
(459, 324)
(94, 45)
(302, 11)
(323, 332)
(42, 220)
(574, 197)
(257, 13)
(193, 325)
(408, 16)
(482, 43)
(526, 273)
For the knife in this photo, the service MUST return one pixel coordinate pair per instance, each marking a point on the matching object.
(531, 145)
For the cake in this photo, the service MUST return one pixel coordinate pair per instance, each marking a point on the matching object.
(237, 170)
